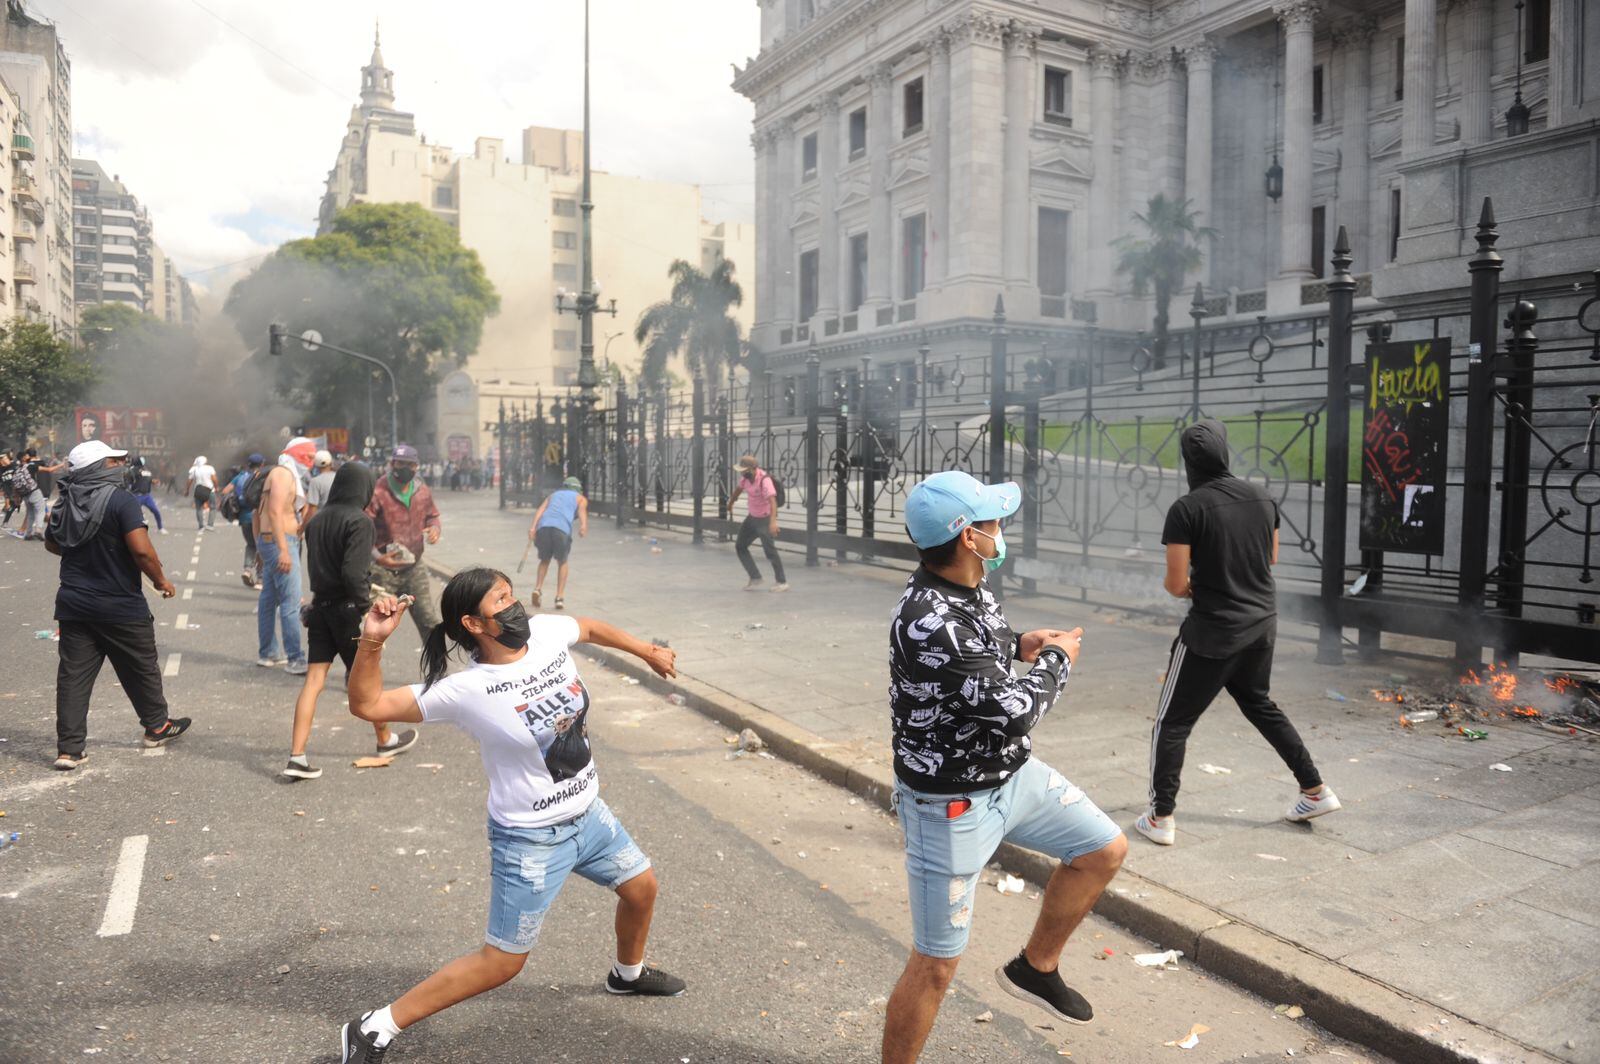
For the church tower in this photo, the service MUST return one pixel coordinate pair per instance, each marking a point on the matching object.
(377, 80)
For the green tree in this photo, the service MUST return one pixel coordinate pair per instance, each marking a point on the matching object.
(44, 376)
(390, 280)
(1158, 259)
(694, 321)
(142, 361)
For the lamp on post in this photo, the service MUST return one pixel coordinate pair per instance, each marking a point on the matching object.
(1275, 171)
(1518, 114)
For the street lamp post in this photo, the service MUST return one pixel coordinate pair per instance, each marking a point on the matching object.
(312, 340)
(587, 303)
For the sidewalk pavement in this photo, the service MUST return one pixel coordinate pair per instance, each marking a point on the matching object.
(1448, 912)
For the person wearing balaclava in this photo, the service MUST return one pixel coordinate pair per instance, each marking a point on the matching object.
(277, 526)
(407, 522)
(97, 529)
(338, 552)
(1222, 542)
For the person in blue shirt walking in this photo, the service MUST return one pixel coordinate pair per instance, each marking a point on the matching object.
(250, 575)
(551, 533)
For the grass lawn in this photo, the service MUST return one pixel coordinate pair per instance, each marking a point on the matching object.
(1283, 433)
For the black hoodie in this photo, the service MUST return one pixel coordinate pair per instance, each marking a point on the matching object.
(1228, 524)
(339, 539)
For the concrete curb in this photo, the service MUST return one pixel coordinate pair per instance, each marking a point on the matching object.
(1345, 1002)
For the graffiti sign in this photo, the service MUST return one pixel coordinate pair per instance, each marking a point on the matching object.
(1404, 446)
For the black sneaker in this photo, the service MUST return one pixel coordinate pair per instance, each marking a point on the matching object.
(358, 1048)
(302, 772)
(398, 743)
(174, 727)
(652, 982)
(1045, 989)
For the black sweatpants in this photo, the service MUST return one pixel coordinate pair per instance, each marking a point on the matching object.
(753, 528)
(1192, 683)
(85, 645)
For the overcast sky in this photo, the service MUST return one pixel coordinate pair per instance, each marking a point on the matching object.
(224, 116)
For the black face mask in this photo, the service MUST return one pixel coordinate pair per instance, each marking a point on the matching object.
(403, 474)
(513, 621)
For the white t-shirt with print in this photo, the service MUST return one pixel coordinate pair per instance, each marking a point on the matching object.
(514, 711)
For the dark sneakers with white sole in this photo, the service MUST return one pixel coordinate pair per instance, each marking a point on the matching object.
(652, 982)
(1045, 989)
(399, 743)
(356, 1047)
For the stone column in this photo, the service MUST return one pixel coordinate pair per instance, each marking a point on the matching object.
(785, 296)
(879, 241)
(1297, 17)
(1199, 56)
(977, 90)
(761, 141)
(1355, 165)
(1566, 61)
(1020, 41)
(827, 211)
(936, 111)
(1477, 124)
(1103, 197)
(1417, 127)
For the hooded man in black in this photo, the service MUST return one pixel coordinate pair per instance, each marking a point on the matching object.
(339, 543)
(1222, 542)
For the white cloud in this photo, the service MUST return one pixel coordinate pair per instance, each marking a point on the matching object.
(226, 131)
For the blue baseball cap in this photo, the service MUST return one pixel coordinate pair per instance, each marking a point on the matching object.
(942, 505)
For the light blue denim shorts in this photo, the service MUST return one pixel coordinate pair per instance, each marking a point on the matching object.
(529, 865)
(1038, 809)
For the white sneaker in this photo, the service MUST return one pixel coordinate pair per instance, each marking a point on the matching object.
(1313, 805)
(780, 587)
(268, 663)
(754, 585)
(1161, 830)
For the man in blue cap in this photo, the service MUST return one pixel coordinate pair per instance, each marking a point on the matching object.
(250, 574)
(965, 777)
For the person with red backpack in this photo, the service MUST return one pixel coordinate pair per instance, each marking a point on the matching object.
(764, 495)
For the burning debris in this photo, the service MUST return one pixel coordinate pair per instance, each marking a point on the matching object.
(1563, 703)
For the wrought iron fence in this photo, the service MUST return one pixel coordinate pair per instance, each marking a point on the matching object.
(1091, 431)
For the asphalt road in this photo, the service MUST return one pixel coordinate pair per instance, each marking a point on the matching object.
(266, 912)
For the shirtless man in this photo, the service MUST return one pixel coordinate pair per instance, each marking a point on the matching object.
(277, 526)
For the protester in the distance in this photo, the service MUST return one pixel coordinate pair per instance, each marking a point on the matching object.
(142, 483)
(44, 469)
(524, 702)
(317, 487)
(27, 489)
(338, 555)
(551, 532)
(277, 524)
(407, 520)
(761, 521)
(238, 487)
(1222, 542)
(99, 532)
(8, 481)
(202, 485)
(965, 777)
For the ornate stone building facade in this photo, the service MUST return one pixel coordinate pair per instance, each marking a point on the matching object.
(917, 158)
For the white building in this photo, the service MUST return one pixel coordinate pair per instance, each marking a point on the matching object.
(33, 62)
(510, 213)
(916, 159)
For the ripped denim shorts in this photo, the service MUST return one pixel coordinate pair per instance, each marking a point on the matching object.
(529, 865)
(1037, 809)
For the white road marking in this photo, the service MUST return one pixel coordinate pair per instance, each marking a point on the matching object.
(154, 751)
(188, 593)
(124, 898)
(190, 576)
(173, 661)
(182, 621)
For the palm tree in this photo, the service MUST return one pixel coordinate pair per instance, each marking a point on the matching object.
(1159, 259)
(693, 321)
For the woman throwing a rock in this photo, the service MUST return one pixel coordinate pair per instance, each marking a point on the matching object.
(524, 703)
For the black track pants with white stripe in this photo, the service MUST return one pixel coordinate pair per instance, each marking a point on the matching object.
(1193, 682)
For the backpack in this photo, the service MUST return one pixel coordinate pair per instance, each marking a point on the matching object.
(779, 496)
(230, 507)
(252, 490)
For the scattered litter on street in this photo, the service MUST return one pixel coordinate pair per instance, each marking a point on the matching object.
(1334, 696)
(1158, 960)
(1500, 766)
(1190, 1040)
(1473, 734)
(749, 740)
(1215, 770)
(1271, 857)
(1418, 716)
(986, 1016)
(631, 682)
(373, 762)
(1010, 884)
(677, 699)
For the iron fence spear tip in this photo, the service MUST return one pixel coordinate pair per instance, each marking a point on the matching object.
(1341, 242)
(1486, 219)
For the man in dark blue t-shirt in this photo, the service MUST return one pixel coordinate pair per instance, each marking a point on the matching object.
(98, 530)
(1222, 542)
